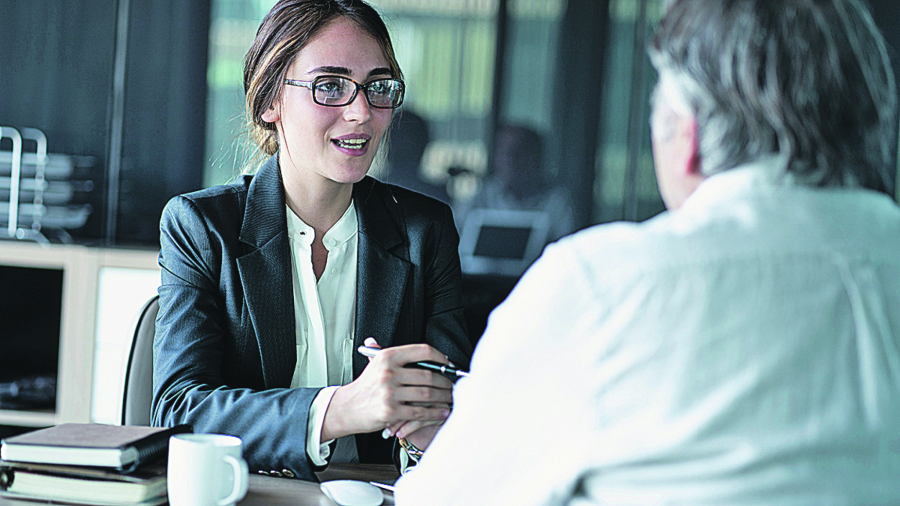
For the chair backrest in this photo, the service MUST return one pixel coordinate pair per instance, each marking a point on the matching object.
(138, 391)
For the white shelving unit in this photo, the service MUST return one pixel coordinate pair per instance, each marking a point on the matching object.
(86, 273)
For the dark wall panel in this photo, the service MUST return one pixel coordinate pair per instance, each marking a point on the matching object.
(56, 63)
(57, 67)
(55, 70)
(576, 118)
(165, 111)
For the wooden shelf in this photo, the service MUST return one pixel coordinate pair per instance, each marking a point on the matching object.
(83, 270)
(22, 418)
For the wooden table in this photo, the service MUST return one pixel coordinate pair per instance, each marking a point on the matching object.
(269, 491)
(266, 491)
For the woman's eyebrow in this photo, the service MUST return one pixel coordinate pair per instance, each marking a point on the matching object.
(380, 72)
(329, 69)
(344, 71)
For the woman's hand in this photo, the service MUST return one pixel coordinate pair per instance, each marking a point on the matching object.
(419, 433)
(388, 395)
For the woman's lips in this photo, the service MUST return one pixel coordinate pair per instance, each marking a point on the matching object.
(352, 145)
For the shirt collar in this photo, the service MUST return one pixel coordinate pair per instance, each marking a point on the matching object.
(342, 231)
(766, 174)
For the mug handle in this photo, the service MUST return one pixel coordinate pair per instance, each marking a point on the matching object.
(241, 473)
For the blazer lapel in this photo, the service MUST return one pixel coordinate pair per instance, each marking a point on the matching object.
(267, 277)
(383, 266)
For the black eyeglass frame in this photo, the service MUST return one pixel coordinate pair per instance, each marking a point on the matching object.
(365, 87)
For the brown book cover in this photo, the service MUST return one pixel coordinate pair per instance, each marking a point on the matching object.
(121, 447)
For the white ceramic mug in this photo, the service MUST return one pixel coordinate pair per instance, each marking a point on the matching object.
(206, 470)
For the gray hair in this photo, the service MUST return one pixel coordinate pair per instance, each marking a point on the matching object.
(808, 79)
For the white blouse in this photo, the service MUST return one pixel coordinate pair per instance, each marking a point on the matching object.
(325, 313)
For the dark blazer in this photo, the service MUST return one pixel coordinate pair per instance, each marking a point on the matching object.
(224, 352)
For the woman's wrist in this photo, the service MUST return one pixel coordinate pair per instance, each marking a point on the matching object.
(335, 425)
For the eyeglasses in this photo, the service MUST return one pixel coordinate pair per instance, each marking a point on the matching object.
(337, 91)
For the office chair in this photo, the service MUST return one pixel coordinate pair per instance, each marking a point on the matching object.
(138, 391)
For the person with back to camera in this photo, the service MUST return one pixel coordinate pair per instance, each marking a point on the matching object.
(270, 284)
(740, 348)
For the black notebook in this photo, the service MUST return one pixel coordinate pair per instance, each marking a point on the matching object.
(121, 447)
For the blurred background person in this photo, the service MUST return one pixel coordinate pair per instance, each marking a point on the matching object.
(519, 181)
(407, 142)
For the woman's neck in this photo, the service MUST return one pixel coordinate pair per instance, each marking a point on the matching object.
(319, 204)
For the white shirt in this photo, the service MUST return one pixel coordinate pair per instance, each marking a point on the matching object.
(325, 313)
(742, 350)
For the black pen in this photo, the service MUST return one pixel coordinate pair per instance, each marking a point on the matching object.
(429, 366)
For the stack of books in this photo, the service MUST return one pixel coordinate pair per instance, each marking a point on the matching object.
(88, 464)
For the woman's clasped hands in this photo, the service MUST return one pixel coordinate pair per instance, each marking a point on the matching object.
(399, 401)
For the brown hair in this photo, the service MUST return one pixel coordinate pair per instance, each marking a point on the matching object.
(286, 30)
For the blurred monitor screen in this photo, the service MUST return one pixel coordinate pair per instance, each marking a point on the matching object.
(502, 241)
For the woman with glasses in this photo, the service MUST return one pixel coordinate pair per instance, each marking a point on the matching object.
(271, 283)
